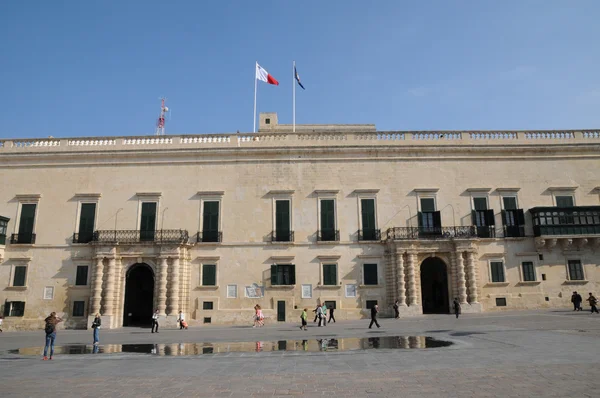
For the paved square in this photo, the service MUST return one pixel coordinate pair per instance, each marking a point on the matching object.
(512, 354)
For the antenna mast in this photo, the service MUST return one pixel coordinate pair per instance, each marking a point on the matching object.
(160, 125)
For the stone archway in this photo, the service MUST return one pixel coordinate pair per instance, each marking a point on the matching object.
(434, 286)
(139, 295)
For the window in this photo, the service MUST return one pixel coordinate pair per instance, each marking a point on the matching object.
(82, 275)
(327, 230)
(370, 274)
(207, 305)
(330, 304)
(78, 308)
(210, 221)
(20, 275)
(528, 271)
(3, 228)
(209, 275)
(282, 221)
(513, 218)
(268, 121)
(429, 219)
(207, 320)
(26, 223)
(14, 308)
(283, 274)
(483, 218)
(575, 270)
(371, 304)
(148, 221)
(497, 268)
(500, 301)
(231, 291)
(564, 201)
(368, 220)
(87, 218)
(330, 274)
(509, 202)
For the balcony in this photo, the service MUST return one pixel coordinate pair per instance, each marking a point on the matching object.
(83, 237)
(328, 235)
(572, 227)
(402, 233)
(369, 235)
(282, 236)
(209, 236)
(161, 236)
(486, 231)
(22, 239)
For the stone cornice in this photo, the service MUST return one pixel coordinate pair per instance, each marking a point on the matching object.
(211, 193)
(563, 188)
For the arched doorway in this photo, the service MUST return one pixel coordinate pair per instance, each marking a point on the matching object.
(139, 296)
(434, 286)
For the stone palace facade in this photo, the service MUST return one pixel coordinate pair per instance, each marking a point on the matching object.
(344, 214)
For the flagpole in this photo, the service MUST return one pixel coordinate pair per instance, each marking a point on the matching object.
(255, 81)
(294, 96)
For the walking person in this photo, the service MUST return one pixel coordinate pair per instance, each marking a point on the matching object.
(324, 308)
(96, 326)
(396, 309)
(181, 321)
(579, 301)
(50, 329)
(155, 321)
(316, 311)
(456, 307)
(331, 314)
(303, 317)
(320, 314)
(574, 300)
(593, 302)
(1, 319)
(259, 318)
(374, 311)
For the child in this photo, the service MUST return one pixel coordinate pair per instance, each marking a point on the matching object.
(303, 317)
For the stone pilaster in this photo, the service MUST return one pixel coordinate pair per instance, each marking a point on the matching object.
(118, 311)
(412, 286)
(109, 291)
(174, 293)
(97, 286)
(400, 275)
(472, 271)
(162, 286)
(460, 276)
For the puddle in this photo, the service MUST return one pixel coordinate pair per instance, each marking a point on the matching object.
(188, 349)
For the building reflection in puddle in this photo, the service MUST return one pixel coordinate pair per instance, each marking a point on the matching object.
(190, 349)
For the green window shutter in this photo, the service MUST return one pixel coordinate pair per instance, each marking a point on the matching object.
(292, 274)
(27, 218)
(327, 215)
(427, 205)
(489, 217)
(78, 308)
(282, 216)
(474, 217)
(274, 280)
(86, 218)
(368, 214)
(211, 217)
(420, 218)
(82, 275)
(564, 201)
(480, 203)
(148, 219)
(370, 274)
(209, 275)
(437, 219)
(20, 275)
(520, 217)
(497, 272)
(329, 274)
(7, 305)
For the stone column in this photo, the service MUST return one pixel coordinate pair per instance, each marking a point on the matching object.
(174, 293)
(400, 274)
(97, 287)
(471, 268)
(412, 287)
(118, 309)
(162, 286)
(109, 290)
(460, 276)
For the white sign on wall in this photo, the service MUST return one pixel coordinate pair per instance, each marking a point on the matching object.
(350, 290)
(48, 293)
(231, 291)
(254, 291)
(306, 291)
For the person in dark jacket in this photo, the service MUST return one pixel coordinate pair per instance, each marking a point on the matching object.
(579, 301)
(96, 326)
(593, 302)
(331, 314)
(576, 299)
(456, 307)
(396, 307)
(374, 311)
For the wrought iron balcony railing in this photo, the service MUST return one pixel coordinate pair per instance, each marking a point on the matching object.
(486, 231)
(577, 220)
(173, 236)
(282, 236)
(17, 239)
(398, 233)
(209, 236)
(328, 235)
(369, 234)
(83, 237)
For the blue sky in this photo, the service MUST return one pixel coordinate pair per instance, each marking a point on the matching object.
(72, 68)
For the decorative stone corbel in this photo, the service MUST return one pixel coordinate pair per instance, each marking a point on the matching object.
(567, 243)
(540, 243)
(581, 243)
(551, 243)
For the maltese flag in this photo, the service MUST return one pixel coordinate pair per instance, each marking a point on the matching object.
(262, 74)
